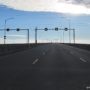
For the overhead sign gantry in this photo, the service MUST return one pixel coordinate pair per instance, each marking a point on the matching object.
(55, 29)
(17, 29)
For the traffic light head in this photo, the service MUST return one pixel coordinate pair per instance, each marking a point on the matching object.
(56, 29)
(8, 29)
(45, 29)
(66, 29)
(18, 29)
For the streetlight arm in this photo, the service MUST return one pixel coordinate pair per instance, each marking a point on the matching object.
(5, 28)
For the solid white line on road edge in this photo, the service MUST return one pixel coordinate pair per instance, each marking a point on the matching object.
(83, 60)
(35, 61)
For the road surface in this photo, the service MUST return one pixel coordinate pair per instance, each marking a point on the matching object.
(46, 67)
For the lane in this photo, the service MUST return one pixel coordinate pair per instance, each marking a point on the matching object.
(11, 66)
(80, 53)
(48, 67)
(66, 70)
(61, 71)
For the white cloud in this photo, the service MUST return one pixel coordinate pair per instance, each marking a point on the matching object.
(60, 6)
(80, 2)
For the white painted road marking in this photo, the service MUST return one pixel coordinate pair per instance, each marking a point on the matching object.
(83, 60)
(43, 53)
(88, 87)
(35, 61)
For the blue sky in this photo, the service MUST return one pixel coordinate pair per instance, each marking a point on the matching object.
(41, 19)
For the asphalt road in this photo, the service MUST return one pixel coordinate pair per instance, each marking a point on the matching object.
(46, 67)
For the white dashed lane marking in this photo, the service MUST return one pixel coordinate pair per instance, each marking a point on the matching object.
(88, 88)
(83, 60)
(44, 53)
(35, 61)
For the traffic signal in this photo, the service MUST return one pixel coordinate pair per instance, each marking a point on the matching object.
(66, 29)
(8, 29)
(56, 29)
(4, 37)
(45, 29)
(18, 29)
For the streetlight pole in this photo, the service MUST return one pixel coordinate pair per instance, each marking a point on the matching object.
(5, 29)
(69, 22)
(63, 36)
(69, 31)
(5, 32)
(74, 35)
(63, 31)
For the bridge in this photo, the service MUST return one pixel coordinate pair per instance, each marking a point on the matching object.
(45, 66)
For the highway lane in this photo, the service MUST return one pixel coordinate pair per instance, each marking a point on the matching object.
(47, 67)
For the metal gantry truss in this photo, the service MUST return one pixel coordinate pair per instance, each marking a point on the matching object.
(55, 29)
(18, 29)
(36, 32)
